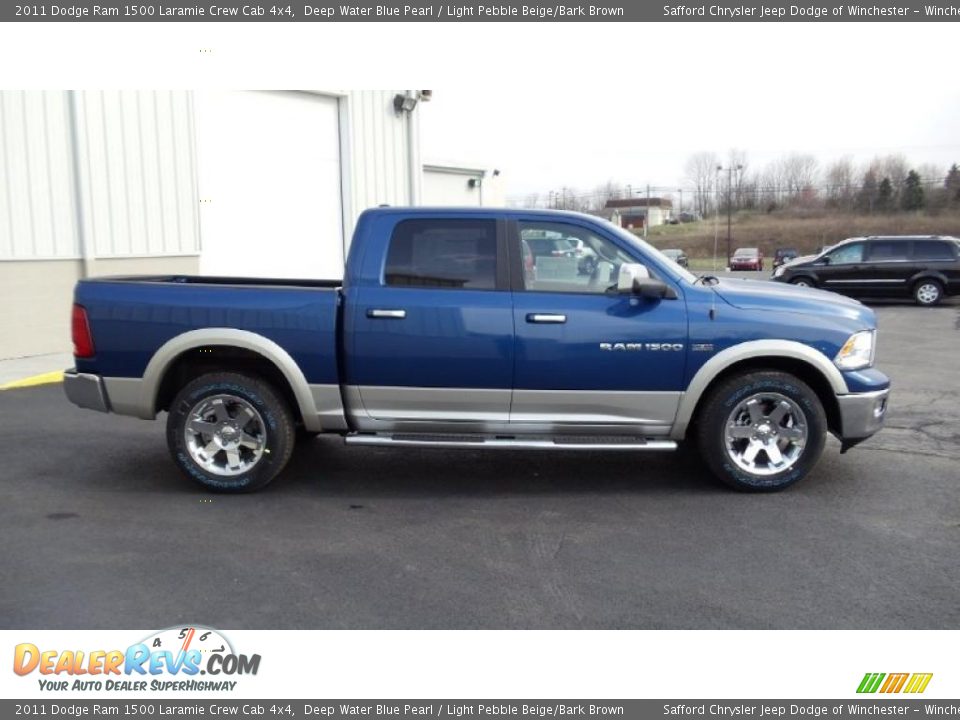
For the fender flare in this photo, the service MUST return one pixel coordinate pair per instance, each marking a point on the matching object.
(168, 353)
(747, 351)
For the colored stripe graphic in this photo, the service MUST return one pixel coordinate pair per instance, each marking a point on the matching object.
(894, 682)
(870, 682)
(918, 683)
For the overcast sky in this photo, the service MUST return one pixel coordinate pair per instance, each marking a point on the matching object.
(839, 90)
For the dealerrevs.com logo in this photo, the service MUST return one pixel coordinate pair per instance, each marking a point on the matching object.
(172, 659)
(894, 682)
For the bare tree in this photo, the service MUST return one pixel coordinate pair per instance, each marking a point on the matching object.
(869, 190)
(894, 167)
(701, 170)
(567, 198)
(800, 176)
(608, 191)
(737, 159)
(840, 187)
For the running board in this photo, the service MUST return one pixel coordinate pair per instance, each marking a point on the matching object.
(508, 443)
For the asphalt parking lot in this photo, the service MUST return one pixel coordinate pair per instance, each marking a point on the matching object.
(99, 530)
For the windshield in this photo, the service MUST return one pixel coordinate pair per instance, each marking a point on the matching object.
(746, 252)
(669, 266)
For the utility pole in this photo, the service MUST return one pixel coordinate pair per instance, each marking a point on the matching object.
(646, 218)
(729, 169)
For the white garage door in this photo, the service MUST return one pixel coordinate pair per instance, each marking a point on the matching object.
(269, 175)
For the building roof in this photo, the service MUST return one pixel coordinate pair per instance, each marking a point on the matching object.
(639, 202)
(606, 213)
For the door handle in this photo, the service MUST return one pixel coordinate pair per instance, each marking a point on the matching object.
(387, 314)
(548, 318)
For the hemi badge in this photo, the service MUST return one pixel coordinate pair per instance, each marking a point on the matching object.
(702, 347)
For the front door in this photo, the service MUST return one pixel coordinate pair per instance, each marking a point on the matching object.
(841, 269)
(586, 355)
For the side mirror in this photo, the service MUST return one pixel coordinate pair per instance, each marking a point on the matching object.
(634, 279)
(825, 260)
(630, 273)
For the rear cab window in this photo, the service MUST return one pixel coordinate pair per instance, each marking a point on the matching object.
(455, 254)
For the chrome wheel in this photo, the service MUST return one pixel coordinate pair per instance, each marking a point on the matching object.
(927, 293)
(225, 435)
(766, 434)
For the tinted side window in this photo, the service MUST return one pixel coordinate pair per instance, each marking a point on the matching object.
(558, 257)
(852, 253)
(931, 250)
(456, 254)
(889, 250)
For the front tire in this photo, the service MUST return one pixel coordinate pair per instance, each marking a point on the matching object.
(927, 293)
(230, 432)
(803, 282)
(761, 431)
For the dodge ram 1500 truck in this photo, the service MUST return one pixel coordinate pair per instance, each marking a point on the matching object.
(463, 328)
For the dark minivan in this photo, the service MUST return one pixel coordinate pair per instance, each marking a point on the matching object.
(925, 268)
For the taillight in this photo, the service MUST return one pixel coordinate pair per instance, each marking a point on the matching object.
(82, 338)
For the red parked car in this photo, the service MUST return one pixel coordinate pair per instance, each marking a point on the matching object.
(747, 259)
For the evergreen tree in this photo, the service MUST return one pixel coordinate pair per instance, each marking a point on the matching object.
(952, 184)
(911, 197)
(867, 196)
(884, 194)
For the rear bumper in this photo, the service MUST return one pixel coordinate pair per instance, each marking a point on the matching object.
(85, 390)
(861, 415)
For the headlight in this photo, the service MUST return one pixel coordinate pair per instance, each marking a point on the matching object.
(781, 269)
(858, 351)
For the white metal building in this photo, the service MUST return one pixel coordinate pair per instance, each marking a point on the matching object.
(232, 183)
(461, 185)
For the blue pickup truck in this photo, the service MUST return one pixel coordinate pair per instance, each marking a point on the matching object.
(481, 328)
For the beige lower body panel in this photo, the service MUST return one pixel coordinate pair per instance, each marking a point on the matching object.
(489, 411)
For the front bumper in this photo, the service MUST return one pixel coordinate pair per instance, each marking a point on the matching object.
(861, 415)
(85, 390)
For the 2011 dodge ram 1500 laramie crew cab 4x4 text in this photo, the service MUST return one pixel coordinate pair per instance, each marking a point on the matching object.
(449, 329)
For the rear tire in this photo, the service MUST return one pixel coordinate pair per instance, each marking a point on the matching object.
(761, 431)
(230, 432)
(927, 292)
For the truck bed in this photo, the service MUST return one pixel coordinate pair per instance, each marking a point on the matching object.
(131, 317)
(220, 280)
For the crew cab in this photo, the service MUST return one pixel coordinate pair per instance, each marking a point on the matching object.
(448, 331)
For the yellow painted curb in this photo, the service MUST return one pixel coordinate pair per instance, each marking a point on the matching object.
(44, 379)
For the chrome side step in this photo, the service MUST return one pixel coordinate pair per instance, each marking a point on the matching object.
(510, 443)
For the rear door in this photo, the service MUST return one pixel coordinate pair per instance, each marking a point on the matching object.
(430, 341)
(586, 355)
(887, 267)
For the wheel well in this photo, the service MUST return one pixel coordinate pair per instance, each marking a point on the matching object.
(222, 358)
(798, 368)
(924, 278)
